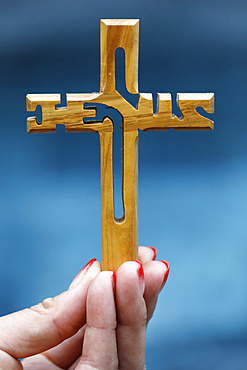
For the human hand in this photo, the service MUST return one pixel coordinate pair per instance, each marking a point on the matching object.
(98, 323)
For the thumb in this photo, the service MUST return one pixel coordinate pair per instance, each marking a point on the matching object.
(41, 327)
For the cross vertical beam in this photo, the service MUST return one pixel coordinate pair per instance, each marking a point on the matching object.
(120, 236)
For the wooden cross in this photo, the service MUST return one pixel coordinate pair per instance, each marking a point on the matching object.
(119, 236)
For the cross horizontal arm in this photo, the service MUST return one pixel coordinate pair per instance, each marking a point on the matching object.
(141, 118)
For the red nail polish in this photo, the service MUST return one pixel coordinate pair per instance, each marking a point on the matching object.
(140, 270)
(167, 272)
(141, 276)
(86, 267)
(155, 252)
(84, 270)
(114, 282)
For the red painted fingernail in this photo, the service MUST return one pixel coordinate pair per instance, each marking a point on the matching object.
(167, 272)
(155, 252)
(140, 270)
(114, 282)
(85, 268)
(141, 276)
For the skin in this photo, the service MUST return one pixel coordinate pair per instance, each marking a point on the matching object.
(94, 325)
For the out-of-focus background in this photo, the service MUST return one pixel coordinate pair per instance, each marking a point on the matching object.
(192, 185)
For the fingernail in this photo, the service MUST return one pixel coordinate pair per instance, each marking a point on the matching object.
(167, 272)
(141, 276)
(114, 282)
(83, 270)
(155, 252)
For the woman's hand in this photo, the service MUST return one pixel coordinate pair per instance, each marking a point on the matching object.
(98, 323)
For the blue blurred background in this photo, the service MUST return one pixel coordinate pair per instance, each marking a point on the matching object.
(192, 185)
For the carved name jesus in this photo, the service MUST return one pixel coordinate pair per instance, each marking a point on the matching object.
(119, 236)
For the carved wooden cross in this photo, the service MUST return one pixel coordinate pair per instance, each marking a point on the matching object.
(119, 236)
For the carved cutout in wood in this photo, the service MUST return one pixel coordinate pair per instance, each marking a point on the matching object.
(119, 236)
